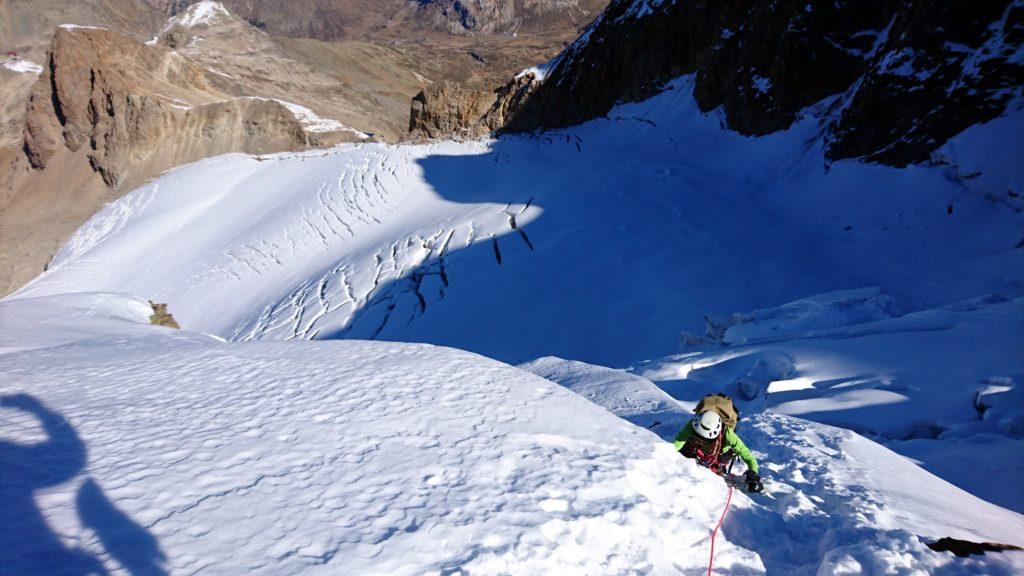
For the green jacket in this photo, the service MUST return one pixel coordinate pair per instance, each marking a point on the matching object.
(732, 442)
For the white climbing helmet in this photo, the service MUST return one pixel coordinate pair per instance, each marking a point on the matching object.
(708, 425)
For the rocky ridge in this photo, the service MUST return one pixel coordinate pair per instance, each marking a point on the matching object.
(903, 76)
(446, 110)
(136, 109)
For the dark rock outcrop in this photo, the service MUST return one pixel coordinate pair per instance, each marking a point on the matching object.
(965, 548)
(908, 75)
(445, 110)
(161, 317)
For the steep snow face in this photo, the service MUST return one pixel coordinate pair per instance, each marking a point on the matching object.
(849, 506)
(596, 243)
(944, 386)
(835, 502)
(168, 450)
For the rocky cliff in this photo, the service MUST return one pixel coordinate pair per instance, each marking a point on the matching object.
(135, 109)
(446, 110)
(903, 75)
(107, 113)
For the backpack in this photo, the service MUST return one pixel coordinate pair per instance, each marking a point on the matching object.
(721, 404)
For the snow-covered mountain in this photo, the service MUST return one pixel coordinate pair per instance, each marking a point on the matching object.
(597, 243)
(867, 318)
(910, 74)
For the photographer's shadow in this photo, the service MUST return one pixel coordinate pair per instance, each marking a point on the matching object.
(27, 543)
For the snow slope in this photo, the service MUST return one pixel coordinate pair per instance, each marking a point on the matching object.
(158, 451)
(56, 320)
(140, 449)
(524, 247)
(596, 243)
(943, 386)
(835, 503)
(626, 395)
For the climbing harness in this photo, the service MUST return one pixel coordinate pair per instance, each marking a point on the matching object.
(709, 459)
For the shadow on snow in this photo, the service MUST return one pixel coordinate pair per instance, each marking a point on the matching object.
(29, 544)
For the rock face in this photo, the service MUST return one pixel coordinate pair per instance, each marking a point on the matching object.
(908, 74)
(140, 109)
(941, 70)
(445, 110)
(27, 26)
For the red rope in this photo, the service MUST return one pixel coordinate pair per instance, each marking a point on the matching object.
(711, 560)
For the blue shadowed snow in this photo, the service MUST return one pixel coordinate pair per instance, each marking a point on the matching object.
(29, 544)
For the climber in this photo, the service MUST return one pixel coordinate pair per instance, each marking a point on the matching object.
(710, 439)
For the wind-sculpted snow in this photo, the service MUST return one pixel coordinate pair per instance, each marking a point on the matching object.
(169, 452)
(835, 503)
(626, 395)
(943, 387)
(859, 508)
(554, 244)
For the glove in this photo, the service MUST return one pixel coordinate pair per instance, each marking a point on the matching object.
(753, 482)
(689, 450)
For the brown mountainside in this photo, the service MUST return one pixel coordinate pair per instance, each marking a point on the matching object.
(404, 19)
(106, 114)
(89, 111)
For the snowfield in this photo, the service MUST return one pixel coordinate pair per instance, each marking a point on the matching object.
(22, 66)
(525, 247)
(170, 450)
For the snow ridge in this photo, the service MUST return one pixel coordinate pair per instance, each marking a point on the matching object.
(374, 457)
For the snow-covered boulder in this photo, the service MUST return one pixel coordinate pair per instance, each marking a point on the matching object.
(839, 309)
